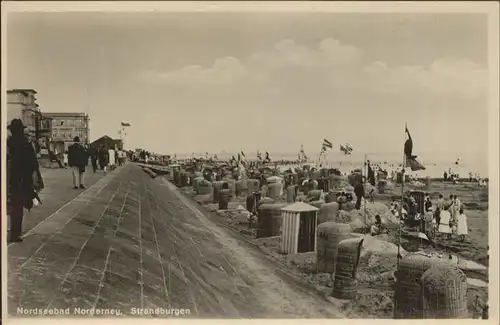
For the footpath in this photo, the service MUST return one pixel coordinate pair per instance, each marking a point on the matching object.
(134, 246)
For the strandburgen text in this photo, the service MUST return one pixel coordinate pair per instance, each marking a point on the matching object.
(160, 311)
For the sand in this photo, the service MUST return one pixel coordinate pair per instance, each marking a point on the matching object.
(378, 257)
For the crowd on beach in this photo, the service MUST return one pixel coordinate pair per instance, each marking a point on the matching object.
(432, 216)
(25, 181)
(446, 217)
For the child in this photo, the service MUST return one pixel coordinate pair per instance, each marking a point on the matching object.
(444, 222)
(372, 196)
(462, 224)
(377, 228)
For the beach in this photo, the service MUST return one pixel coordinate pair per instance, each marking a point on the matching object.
(374, 297)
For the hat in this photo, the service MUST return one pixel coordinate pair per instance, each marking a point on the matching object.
(16, 124)
(76, 139)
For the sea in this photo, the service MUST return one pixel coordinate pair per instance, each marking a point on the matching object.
(435, 163)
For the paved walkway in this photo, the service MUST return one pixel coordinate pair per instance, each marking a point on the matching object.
(57, 193)
(133, 242)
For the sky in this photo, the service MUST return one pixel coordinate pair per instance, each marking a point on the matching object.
(207, 82)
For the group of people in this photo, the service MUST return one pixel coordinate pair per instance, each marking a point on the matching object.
(447, 218)
(78, 160)
(24, 180)
(450, 217)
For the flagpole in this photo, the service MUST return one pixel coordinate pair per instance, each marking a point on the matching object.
(401, 205)
(400, 219)
(366, 216)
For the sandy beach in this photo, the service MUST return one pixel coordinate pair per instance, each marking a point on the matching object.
(374, 298)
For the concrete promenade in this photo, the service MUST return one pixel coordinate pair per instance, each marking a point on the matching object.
(57, 193)
(128, 242)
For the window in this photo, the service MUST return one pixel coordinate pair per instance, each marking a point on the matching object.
(62, 122)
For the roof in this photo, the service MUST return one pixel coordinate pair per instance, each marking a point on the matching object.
(22, 91)
(299, 207)
(105, 137)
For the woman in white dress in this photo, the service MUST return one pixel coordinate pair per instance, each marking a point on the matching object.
(65, 159)
(462, 224)
(444, 222)
(112, 162)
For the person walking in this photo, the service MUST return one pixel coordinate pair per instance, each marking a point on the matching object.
(359, 190)
(102, 156)
(111, 158)
(121, 157)
(22, 165)
(93, 157)
(65, 159)
(77, 160)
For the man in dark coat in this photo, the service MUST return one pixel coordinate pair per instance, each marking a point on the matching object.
(103, 157)
(359, 190)
(93, 157)
(77, 160)
(21, 168)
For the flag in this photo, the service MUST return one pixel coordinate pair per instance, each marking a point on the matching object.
(268, 159)
(242, 153)
(414, 164)
(327, 144)
(346, 149)
(409, 145)
(259, 155)
(125, 124)
(411, 160)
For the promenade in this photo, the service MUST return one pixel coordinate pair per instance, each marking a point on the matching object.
(130, 241)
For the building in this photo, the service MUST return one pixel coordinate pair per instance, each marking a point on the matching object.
(21, 103)
(108, 143)
(45, 132)
(65, 127)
